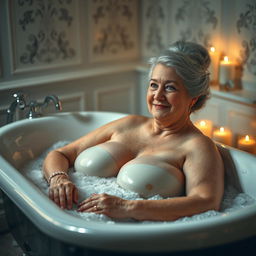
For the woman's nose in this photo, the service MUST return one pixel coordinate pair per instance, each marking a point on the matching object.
(159, 94)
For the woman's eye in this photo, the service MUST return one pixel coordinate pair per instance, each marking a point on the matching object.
(153, 86)
(170, 88)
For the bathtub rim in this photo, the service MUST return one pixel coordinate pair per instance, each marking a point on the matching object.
(94, 230)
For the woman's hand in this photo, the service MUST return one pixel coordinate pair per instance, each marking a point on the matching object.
(111, 206)
(63, 192)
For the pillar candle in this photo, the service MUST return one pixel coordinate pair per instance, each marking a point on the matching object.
(223, 135)
(205, 126)
(247, 144)
(214, 66)
(227, 69)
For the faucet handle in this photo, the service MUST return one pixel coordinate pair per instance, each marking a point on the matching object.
(20, 99)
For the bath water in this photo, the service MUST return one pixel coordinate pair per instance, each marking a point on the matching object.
(87, 185)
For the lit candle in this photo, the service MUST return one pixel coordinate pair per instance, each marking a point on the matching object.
(214, 66)
(205, 126)
(226, 71)
(223, 135)
(247, 144)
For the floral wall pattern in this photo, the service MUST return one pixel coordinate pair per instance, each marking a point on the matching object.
(155, 30)
(196, 21)
(246, 27)
(229, 26)
(113, 29)
(45, 30)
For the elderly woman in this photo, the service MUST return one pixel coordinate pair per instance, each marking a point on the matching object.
(178, 85)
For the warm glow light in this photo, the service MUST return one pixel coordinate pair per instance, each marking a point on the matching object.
(202, 123)
(247, 144)
(223, 135)
(212, 49)
(226, 59)
(205, 126)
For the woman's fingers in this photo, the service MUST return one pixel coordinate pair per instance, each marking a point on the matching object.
(56, 197)
(64, 195)
(90, 204)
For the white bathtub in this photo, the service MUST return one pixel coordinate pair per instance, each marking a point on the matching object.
(24, 140)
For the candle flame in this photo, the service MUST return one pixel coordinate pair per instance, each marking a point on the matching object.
(212, 49)
(202, 123)
(222, 129)
(226, 59)
(247, 138)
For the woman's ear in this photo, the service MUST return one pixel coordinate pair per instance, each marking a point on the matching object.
(193, 102)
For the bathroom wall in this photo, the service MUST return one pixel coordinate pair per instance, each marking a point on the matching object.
(82, 51)
(88, 52)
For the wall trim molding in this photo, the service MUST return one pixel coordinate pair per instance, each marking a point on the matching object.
(71, 75)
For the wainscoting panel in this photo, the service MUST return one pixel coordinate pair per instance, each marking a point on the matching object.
(243, 122)
(116, 99)
(211, 110)
(44, 34)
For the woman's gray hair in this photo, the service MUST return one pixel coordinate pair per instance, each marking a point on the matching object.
(191, 62)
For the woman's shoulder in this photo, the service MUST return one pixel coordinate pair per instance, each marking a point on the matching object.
(198, 142)
(134, 120)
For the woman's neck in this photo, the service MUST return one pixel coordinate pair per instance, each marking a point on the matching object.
(166, 128)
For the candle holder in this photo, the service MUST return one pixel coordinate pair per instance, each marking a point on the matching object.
(223, 135)
(227, 74)
(205, 126)
(247, 143)
(214, 66)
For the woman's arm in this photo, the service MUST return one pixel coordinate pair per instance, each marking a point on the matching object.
(56, 164)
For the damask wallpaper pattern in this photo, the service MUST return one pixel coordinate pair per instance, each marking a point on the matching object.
(196, 21)
(155, 30)
(220, 23)
(47, 33)
(44, 32)
(113, 29)
(246, 27)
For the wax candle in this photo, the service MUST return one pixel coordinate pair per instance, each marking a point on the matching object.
(247, 144)
(226, 71)
(214, 66)
(223, 135)
(205, 126)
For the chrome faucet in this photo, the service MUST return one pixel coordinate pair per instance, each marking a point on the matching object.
(33, 106)
(18, 102)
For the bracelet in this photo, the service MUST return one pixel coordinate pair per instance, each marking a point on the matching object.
(55, 174)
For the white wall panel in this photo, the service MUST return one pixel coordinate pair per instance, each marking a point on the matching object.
(242, 122)
(116, 99)
(211, 112)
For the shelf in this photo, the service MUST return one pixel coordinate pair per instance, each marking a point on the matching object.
(242, 96)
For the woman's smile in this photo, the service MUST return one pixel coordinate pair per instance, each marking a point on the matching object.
(161, 106)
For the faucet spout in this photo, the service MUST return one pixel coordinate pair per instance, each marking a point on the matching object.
(55, 100)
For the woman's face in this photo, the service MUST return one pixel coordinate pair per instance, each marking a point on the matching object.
(167, 97)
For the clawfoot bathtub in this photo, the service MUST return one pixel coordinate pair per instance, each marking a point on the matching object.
(41, 228)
